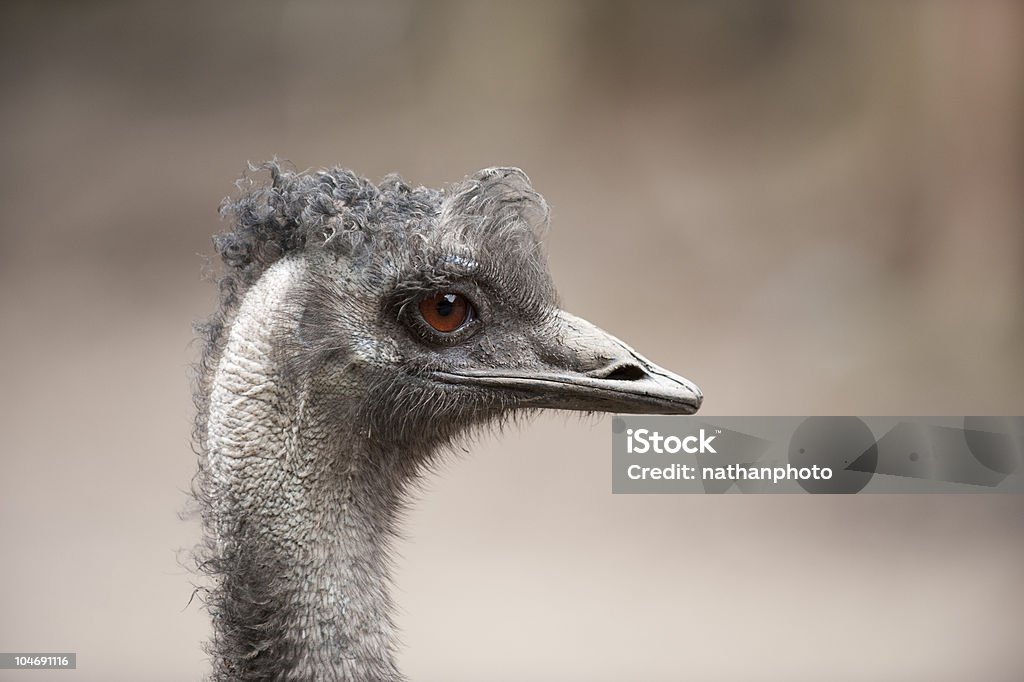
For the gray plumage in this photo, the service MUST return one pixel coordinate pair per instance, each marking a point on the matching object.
(361, 330)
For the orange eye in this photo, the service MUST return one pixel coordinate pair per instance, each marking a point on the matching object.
(445, 312)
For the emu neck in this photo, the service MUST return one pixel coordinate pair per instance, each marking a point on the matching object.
(299, 515)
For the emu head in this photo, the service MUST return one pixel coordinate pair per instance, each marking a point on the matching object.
(419, 313)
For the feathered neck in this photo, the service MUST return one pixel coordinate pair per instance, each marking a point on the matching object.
(297, 513)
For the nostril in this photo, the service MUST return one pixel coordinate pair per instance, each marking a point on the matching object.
(626, 373)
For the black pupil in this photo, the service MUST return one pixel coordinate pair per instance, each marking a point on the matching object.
(445, 305)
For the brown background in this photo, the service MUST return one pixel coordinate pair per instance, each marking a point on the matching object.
(807, 208)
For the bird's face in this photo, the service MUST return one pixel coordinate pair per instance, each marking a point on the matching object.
(459, 323)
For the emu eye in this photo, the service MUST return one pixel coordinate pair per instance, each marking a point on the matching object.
(446, 312)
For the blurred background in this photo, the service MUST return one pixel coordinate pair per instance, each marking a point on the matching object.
(805, 207)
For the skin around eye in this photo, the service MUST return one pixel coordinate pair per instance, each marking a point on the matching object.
(445, 312)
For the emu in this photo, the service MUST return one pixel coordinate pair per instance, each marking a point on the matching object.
(361, 330)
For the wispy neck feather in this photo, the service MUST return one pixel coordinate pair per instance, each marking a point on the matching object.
(297, 519)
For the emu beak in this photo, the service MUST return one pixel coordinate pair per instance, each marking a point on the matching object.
(584, 368)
